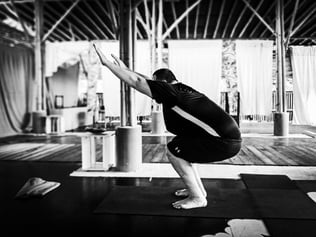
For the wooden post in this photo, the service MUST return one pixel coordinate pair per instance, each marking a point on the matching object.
(39, 113)
(280, 117)
(128, 135)
(39, 49)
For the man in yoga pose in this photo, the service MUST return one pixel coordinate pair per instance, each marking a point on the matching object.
(204, 131)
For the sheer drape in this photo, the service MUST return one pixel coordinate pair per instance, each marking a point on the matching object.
(197, 63)
(254, 76)
(16, 89)
(304, 84)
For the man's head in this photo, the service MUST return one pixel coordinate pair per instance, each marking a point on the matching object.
(164, 74)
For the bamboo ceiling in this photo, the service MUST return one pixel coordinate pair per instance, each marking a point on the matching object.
(66, 20)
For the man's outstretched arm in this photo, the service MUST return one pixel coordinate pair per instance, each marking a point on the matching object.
(131, 78)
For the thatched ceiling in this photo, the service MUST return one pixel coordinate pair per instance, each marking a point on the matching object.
(209, 19)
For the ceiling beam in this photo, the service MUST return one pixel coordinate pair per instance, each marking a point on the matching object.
(26, 33)
(81, 22)
(273, 20)
(237, 22)
(87, 16)
(260, 18)
(140, 19)
(175, 18)
(305, 18)
(229, 18)
(51, 9)
(264, 16)
(219, 18)
(187, 11)
(112, 35)
(60, 20)
(196, 21)
(250, 19)
(187, 22)
(210, 5)
(290, 29)
(111, 12)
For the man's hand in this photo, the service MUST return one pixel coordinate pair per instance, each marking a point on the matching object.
(102, 57)
(119, 62)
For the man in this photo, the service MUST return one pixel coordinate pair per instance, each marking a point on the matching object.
(204, 131)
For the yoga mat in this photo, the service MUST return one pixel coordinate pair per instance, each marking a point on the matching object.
(261, 181)
(277, 196)
(153, 201)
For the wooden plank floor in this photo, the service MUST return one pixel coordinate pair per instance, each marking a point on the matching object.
(292, 151)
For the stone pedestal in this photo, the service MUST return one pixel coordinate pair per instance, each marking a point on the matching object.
(157, 122)
(281, 124)
(128, 148)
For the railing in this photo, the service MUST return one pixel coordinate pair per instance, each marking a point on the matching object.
(234, 110)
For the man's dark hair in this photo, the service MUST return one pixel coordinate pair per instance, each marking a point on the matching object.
(165, 74)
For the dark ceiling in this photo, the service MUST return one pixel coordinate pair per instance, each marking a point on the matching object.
(209, 19)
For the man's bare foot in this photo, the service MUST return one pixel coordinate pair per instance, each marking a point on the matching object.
(185, 193)
(190, 202)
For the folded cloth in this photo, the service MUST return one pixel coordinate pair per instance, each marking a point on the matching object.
(36, 187)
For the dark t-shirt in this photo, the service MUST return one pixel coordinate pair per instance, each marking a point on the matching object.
(188, 112)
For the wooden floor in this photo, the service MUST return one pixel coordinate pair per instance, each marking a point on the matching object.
(68, 210)
(256, 150)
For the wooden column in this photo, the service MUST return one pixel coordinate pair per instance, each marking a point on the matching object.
(280, 117)
(39, 113)
(39, 53)
(127, 43)
(128, 135)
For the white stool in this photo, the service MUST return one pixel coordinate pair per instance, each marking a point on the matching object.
(54, 124)
(88, 150)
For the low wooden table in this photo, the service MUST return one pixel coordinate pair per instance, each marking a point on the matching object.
(88, 146)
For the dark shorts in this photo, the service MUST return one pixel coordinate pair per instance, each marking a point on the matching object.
(205, 149)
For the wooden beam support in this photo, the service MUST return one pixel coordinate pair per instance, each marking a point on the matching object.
(280, 55)
(159, 34)
(175, 18)
(111, 12)
(39, 55)
(60, 20)
(187, 23)
(229, 18)
(26, 33)
(197, 14)
(264, 16)
(219, 18)
(260, 18)
(140, 19)
(237, 22)
(81, 22)
(250, 19)
(108, 30)
(52, 10)
(306, 17)
(208, 18)
(87, 16)
(184, 14)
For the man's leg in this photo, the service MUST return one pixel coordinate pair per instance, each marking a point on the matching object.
(185, 192)
(186, 171)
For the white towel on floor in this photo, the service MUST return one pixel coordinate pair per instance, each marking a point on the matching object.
(36, 187)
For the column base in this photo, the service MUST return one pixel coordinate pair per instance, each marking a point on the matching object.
(128, 148)
(281, 124)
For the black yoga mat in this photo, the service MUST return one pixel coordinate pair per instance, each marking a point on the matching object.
(262, 181)
(277, 196)
(222, 203)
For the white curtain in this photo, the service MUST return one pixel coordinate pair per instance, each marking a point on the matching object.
(197, 63)
(304, 84)
(254, 76)
(66, 54)
(111, 84)
(142, 65)
(63, 54)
